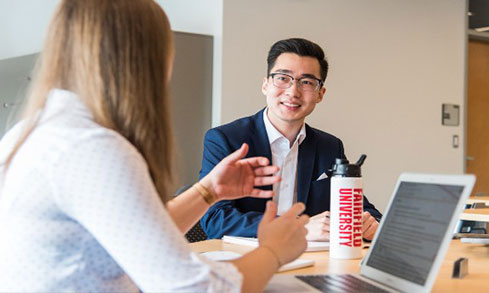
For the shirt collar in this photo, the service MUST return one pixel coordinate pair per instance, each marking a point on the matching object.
(274, 134)
(60, 101)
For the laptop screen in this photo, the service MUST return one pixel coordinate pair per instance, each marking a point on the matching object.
(413, 230)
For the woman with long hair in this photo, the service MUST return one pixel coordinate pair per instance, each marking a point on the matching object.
(86, 174)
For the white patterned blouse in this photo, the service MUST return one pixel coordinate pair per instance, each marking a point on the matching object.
(79, 213)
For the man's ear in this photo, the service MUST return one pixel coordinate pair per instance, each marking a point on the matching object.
(321, 93)
(264, 86)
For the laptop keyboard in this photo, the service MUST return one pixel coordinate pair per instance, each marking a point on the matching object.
(339, 283)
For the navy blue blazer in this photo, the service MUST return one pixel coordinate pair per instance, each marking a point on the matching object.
(317, 154)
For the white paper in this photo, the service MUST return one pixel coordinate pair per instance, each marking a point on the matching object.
(223, 255)
(248, 241)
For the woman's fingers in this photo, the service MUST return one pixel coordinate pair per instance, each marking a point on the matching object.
(296, 210)
(266, 180)
(261, 193)
(304, 219)
(270, 212)
(236, 155)
(265, 171)
(256, 161)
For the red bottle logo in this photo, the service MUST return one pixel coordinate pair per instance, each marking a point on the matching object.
(350, 217)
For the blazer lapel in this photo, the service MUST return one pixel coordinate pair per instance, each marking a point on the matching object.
(259, 138)
(305, 164)
(260, 146)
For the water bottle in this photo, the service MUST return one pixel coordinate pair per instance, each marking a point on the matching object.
(346, 209)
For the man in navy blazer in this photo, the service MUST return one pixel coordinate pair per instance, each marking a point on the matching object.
(297, 70)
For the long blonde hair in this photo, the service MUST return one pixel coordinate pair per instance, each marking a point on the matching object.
(116, 55)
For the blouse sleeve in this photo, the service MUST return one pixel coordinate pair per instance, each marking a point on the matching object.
(104, 184)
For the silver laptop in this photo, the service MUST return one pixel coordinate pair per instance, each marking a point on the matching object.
(409, 245)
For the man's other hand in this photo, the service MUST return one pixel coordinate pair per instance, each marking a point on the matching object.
(318, 227)
(369, 226)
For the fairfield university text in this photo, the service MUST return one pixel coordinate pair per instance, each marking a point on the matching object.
(351, 209)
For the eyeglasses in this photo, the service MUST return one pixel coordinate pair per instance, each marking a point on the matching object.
(284, 81)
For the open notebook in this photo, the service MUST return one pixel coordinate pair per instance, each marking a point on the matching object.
(247, 241)
(223, 255)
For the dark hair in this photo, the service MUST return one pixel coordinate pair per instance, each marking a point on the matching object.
(301, 47)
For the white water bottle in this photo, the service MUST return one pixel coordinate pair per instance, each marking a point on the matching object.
(346, 210)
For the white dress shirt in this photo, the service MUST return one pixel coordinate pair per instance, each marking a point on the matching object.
(79, 213)
(285, 157)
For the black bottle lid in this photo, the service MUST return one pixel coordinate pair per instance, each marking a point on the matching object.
(343, 168)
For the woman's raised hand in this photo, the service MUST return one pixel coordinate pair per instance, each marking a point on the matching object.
(235, 177)
(285, 236)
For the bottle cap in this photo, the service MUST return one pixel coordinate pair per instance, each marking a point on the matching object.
(343, 168)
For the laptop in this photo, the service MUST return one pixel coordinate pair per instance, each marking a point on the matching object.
(409, 245)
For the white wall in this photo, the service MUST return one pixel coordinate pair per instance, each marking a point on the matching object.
(392, 64)
(23, 25)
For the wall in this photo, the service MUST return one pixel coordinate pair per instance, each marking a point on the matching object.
(201, 17)
(23, 25)
(15, 74)
(392, 64)
(191, 78)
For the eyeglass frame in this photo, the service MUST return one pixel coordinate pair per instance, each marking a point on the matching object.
(319, 86)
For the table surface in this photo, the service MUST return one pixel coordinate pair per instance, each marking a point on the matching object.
(476, 281)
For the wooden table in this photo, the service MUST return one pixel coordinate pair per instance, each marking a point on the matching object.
(476, 281)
